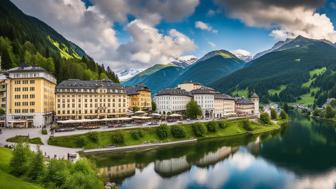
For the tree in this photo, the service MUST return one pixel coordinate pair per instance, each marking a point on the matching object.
(193, 110)
(318, 113)
(37, 167)
(153, 106)
(330, 112)
(212, 126)
(57, 173)
(117, 138)
(274, 114)
(177, 132)
(162, 131)
(264, 118)
(286, 107)
(2, 111)
(246, 125)
(283, 115)
(20, 160)
(198, 129)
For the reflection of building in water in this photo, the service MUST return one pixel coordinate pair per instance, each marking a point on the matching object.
(254, 147)
(214, 157)
(119, 171)
(171, 167)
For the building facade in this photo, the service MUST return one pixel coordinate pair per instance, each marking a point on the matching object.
(205, 98)
(224, 105)
(30, 98)
(244, 106)
(172, 101)
(78, 99)
(139, 98)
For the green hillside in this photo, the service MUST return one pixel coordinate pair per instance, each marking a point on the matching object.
(301, 71)
(211, 67)
(157, 77)
(25, 40)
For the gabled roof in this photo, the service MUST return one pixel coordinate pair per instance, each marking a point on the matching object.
(134, 90)
(254, 95)
(204, 90)
(243, 101)
(223, 96)
(174, 92)
(88, 84)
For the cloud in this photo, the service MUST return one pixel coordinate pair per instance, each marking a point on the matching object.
(91, 28)
(211, 44)
(148, 46)
(204, 26)
(287, 18)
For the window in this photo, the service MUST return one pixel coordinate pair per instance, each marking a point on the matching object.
(32, 81)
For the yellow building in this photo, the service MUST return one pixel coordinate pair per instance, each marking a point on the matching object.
(139, 97)
(78, 99)
(30, 98)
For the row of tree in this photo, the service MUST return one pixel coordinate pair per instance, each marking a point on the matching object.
(53, 173)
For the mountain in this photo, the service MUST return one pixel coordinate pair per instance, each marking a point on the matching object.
(184, 61)
(126, 74)
(25, 40)
(211, 67)
(299, 70)
(157, 77)
(243, 55)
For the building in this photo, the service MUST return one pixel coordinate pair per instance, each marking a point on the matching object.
(189, 86)
(224, 105)
(255, 99)
(30, 98)
(139, 98)
(244, 106)
(78, 99)
(205, 98)
(172, 101)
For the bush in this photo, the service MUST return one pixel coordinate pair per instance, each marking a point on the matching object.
(264, 118)
(221, 125)
(81, 141)
(93, 137)
(247, 125)
(44, 131)
(329, 112)
(177, 132)
(212, 126)
(162, 131)
(283, 115)
(118, 138)
(198, 129)
(318, 113)
(274, 114)
(136, 135)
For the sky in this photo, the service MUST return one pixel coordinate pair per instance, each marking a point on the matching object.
(125, 34)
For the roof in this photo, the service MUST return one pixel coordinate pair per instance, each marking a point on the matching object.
(254, 95)
(134, 90)
(26, 69)
(88, 84)
(173, 92)
(243, 101)
(223, 96)
(204, 90)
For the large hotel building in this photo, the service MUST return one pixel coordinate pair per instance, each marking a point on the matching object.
(78, 99)
(29, 98)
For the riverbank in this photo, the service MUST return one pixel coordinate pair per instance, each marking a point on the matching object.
(142, 137)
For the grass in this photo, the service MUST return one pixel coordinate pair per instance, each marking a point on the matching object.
(242, 92)
(232, 128)
(277, 90)
(21, 138)
(8, 181)
(64, 51)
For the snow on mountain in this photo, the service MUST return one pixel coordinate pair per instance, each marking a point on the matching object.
(184, 61)
(126, 74)
(243, 54)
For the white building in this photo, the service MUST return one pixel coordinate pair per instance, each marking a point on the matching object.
(189, 86)
(205, 98)
(172, 101)
(224, 105)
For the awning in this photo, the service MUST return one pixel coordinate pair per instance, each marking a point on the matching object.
(175, 115)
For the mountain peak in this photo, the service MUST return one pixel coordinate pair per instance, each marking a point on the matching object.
(223, 53)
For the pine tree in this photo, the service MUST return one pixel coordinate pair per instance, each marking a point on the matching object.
(19, 160)
(37, 167)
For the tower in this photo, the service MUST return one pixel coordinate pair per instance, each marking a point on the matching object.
(255, 100)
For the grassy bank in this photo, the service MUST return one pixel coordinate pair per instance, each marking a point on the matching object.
(8, 181)
(134, 136)
(25, 139)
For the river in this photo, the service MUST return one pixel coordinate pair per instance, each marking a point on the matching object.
(302, 155)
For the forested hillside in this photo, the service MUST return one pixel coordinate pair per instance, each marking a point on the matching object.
(25, 40)
(300, 71)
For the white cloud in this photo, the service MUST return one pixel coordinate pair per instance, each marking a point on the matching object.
(204, 26)
(91, 28)
(148, 46)
(288, 19)
(211, 44)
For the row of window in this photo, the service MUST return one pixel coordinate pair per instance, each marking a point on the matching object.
(92, 90)
(24, 103)
(91, 111)
(91, 100)
(90, 105)
(24, 111)
(24, 81)
(25, 96)
(18, 89)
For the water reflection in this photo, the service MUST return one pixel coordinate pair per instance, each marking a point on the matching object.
(300, 156)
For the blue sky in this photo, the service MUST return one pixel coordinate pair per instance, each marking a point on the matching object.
(137, 34)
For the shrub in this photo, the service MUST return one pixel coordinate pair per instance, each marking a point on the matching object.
(118, 138)
(198, 129)
(274, 114)
(329, 112)
(177, 132)
(264, 118)
(81, 141)
(318, 113)
(44, 131)
(93, 137)
(247, 125)
(162, 131)
(136, 135)
(283, 115)
(212, 126)
(221, 125)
